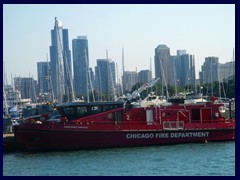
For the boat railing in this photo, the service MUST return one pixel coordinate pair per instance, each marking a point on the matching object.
(173, 125)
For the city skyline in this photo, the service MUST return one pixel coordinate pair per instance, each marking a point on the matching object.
(202, 30)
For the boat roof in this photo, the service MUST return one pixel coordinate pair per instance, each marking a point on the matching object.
(68, 104)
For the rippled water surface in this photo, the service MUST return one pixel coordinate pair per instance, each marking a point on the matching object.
(211, 159)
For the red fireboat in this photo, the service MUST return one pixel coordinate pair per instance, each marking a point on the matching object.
(119, 124)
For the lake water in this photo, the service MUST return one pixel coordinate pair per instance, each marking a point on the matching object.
(200, 159)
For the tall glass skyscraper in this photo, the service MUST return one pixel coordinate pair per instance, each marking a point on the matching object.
(105, 76)
(80, 66)
(186, 69)
(60, 63)
(42, 68)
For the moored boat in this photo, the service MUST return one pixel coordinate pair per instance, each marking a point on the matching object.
(118, 124)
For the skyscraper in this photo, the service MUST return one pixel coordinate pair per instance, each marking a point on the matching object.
(181, 52)
(42, 69)
(81, 66)
(60, 63)
(163, 64)
(105, 77)
(209, 70)
(186, 70)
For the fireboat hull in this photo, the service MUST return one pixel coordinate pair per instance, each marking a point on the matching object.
(43, 140)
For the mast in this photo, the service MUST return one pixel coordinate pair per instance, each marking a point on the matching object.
(4, 92)
(100, 84)
(163, 75)
(50, 87)
(174, 74)
(89, 80)
(233, 64)
(211, 79)
(34, 91)
(117, 73)
(60, 64)
(111, 75)
(123, 70)
(63, 62)
(91, 86)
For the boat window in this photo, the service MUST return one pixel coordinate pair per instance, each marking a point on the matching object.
(107, 108)
(118, 116)
(195, 114)
(70, 113)
(74, 112)
(95, 109)
(206, 114)
(82, 111)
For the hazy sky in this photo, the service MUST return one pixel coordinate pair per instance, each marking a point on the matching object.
(203, 30)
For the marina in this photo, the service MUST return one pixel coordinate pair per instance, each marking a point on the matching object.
(137, 98)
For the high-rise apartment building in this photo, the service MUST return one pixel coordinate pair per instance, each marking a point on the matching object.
(60, 63)
(81, 66)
